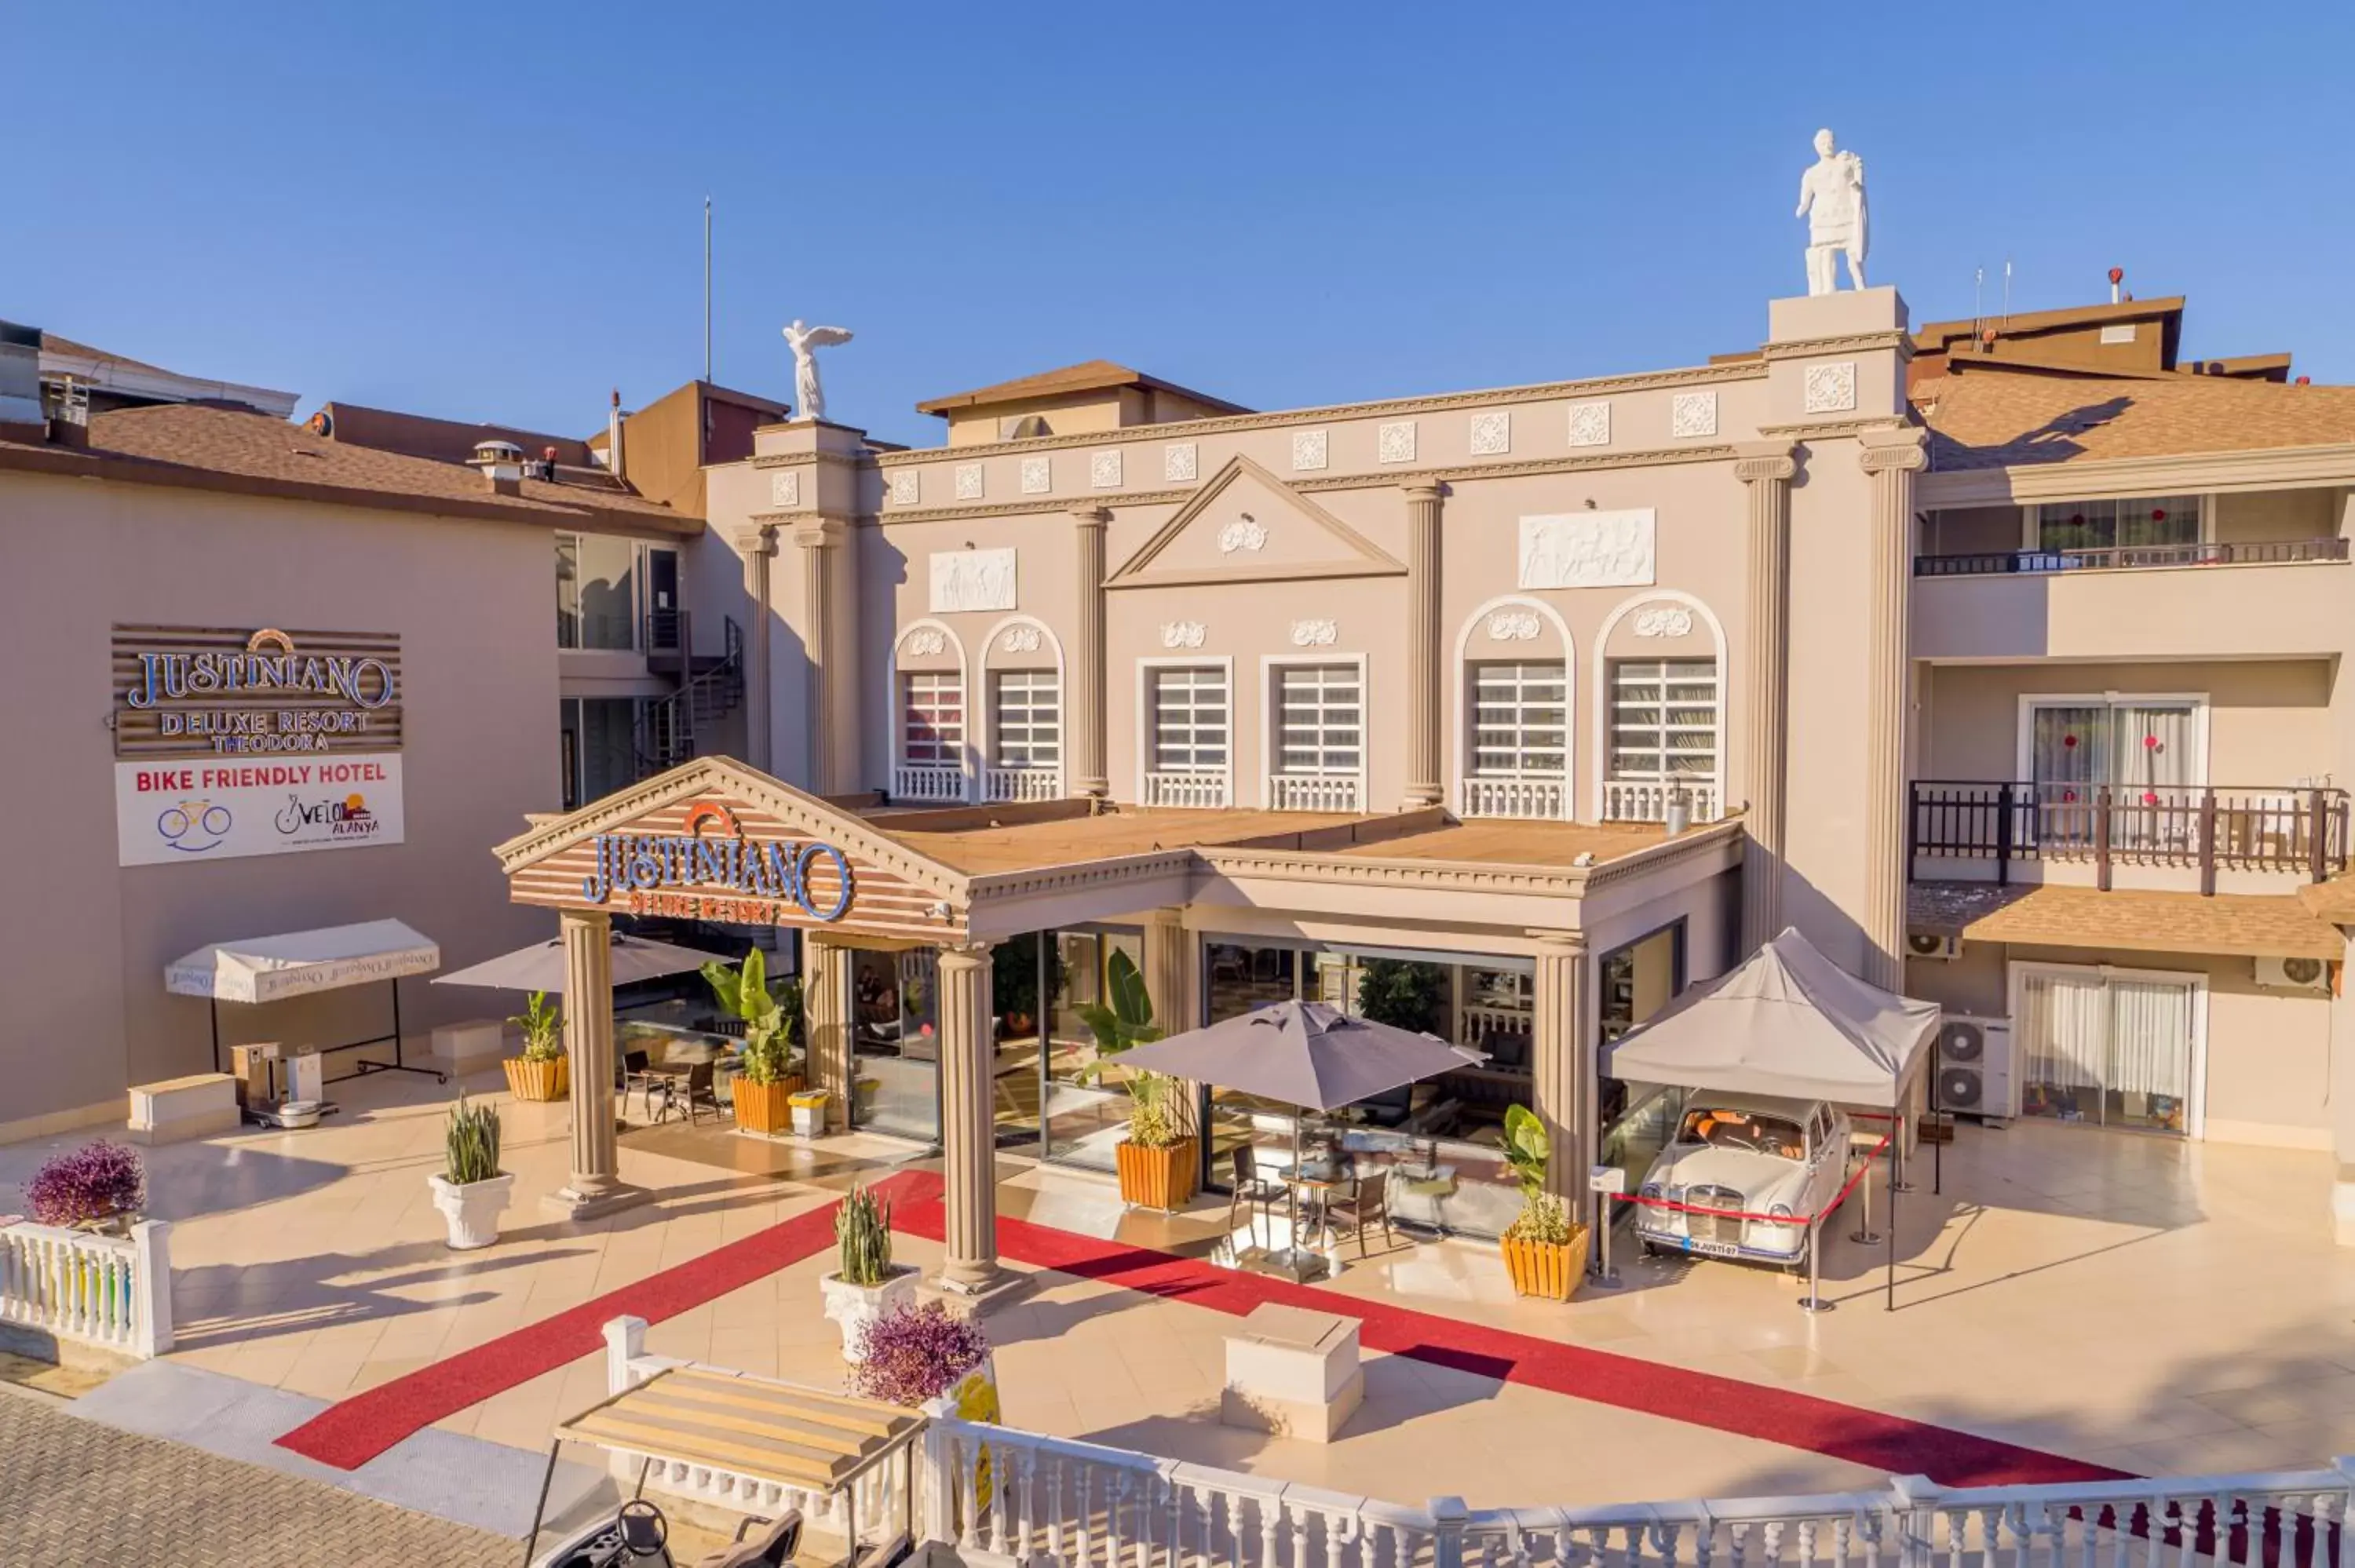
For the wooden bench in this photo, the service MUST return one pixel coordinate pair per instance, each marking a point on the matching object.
(177, 1109)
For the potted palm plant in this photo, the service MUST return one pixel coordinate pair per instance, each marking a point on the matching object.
(866, 1283)
(471, 1191)
(766, 1080)
(542, 1072)
(1545, 1249)
(1158, 1159)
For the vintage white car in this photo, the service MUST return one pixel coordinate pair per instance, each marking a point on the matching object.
(1745, 1155)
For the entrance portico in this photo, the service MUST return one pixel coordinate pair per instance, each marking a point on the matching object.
(922, 899)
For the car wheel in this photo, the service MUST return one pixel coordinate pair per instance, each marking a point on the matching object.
(1651, 1249)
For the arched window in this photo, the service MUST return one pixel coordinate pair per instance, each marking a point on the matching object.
(1513, 691)
(1661, 709)
(1022, 743)
(929, 725)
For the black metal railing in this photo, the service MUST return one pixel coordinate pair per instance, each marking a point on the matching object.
(711, 688)
(665, 631)
(2299, 828)
(2264, 553)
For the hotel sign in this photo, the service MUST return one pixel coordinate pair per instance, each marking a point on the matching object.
(726, 877)
(230, 743)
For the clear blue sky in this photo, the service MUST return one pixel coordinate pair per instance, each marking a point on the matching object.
(494, 211)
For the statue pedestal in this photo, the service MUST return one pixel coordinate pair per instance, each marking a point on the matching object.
(1842, 315)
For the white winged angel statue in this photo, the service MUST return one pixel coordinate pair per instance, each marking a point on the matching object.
(809, 397)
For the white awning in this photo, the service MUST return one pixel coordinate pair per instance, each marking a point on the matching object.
(266, 968)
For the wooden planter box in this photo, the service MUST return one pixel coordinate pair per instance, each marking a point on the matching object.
(1548, 1269)
(550, 1080)
(1157, 1178)
(763, 1108)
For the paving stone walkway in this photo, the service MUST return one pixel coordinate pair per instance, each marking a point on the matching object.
(84, 1494)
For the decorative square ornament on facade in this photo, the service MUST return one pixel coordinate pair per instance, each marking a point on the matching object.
(1587, 549)
(1692, 415)
(785, 488)
(968, 481)
(1492, 433)
(1179, 462)
(1309, 451)
(1830, 388)
(1104, 469)
(1395, 442)
(1590, 424)
(1037, 475)
(906, 487)
(972, 580)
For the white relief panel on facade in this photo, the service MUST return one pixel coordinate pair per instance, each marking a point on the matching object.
(1492, 433)
(1182, 633)
(1309, 450)
(1181, 463)
(925, 642)
(972, 579)
(1590, 424)
(1664, 621)
(1246, 533)
(785, 488)
(1395, 442)
(905, 489)
(1587, 549)
(1692, 414)
(1020, 640)
(1513, 626)
(1037, 475)
(1831, 387)
(1104, 469)
(1314, 633)
(968, 481)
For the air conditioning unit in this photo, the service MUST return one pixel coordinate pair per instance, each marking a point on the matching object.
(2293, 974)
(1973, 1066)
(1930, 944)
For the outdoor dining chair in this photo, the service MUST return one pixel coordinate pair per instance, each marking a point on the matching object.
(1366, 1204)
(1248, 1186)
(697, 1093)
(633, 1077)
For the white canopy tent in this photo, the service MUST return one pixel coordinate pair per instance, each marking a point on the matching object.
(1789, 1022)
(300, 963)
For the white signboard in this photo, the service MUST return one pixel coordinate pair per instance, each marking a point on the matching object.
(972, 579)
(1587, 549)
(170, 811)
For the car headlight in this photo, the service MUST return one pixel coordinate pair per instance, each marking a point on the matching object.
(1780, 1211)
(1650, 1190)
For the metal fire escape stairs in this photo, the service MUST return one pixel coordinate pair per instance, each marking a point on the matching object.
(672, 728)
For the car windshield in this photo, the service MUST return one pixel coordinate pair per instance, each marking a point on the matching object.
(1723, 1128)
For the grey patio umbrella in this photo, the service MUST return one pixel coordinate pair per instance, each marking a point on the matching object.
(541, 967)
(1305, 1054)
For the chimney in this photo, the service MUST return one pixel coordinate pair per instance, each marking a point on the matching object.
(2118, 276)
(20, 383)
(500, 464)
(613, 437)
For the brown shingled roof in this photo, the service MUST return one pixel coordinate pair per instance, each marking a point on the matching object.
(2044, 914)
(210, 446)
(1091, 376)
(1991, 419)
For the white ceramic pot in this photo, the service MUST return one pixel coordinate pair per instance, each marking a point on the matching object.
(472, 1211)
(856, 1305)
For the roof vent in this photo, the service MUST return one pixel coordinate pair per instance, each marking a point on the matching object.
(2118, 276)
(500, 462)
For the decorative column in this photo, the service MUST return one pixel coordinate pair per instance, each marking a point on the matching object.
(825, 1030)
(760, 717)
(1086, 667)
(1892, 457)
(968, 1136)
(596, 1186)
(819, 540)
(1177, 1000)
(1766, 469)
(1564, 1067)
(1422, 781)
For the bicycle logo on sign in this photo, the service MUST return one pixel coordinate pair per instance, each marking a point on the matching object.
(193, 827)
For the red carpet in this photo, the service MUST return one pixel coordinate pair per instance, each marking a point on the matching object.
(348, 1434)
(1866, 1437)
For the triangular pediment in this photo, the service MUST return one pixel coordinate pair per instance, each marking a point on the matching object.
(892, 890)
(1247, 525)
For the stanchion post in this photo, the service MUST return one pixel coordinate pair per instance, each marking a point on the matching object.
(1863, 1235)
(1606, 1183)
(1813, 1301)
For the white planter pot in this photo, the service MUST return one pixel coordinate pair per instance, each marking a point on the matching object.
(472, 1211)
(856, 1305)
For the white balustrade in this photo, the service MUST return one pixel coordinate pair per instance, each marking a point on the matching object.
(928, 782)
(112, 1292)
(1192, 792)
(1313, 792)
(1646, 799)
(1539, 797)
(1021, 784)
(1479, 1023)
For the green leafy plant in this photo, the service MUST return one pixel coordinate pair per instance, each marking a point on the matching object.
(1014, 976)
(743, 991)
(1120, 1024)
(471, 1143)
(1400, 993)
(862, 1228)
(543, 1028)
(1543, 1217)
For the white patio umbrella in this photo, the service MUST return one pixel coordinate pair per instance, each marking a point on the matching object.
(541, 967)
(1304, 1053)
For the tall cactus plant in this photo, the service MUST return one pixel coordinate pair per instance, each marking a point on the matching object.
(862, 1228)
(471, 1143)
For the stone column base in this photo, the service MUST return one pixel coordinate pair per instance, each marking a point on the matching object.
(568, 1205)
(1007, 1286)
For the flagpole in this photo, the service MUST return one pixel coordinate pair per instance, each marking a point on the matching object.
(707, 288)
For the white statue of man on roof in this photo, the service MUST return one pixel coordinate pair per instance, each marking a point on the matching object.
(1831, 198)
(809, 397)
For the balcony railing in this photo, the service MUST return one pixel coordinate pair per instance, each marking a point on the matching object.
(2264, 553)
(1190, 791)
(932, 783)
(1538, 797)
(1315, 792)
(1021, 784)
(1646, 799)
(2212, 827)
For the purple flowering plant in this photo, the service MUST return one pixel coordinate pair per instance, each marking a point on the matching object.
(95, 1182)
(915, 1354)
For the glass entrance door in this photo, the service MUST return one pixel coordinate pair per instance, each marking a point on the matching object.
(2108, 1049)
(895, 1042)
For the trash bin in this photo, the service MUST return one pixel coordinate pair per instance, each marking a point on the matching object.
(809, 1112)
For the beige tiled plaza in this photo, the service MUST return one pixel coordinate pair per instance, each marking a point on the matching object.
(2129, 1300)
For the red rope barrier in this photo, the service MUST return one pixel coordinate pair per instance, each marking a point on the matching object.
(1838, 1198)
